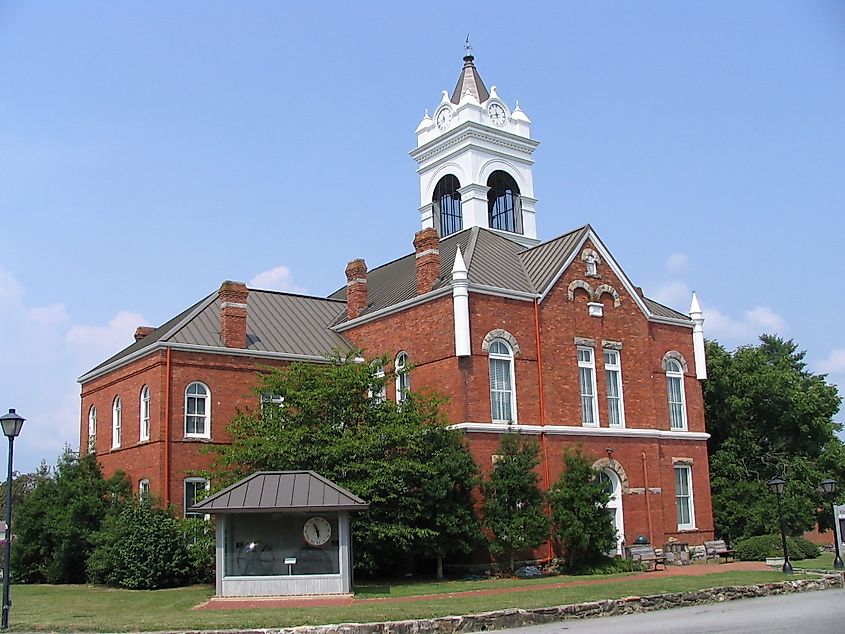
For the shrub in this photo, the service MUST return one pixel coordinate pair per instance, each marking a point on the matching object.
(760, 547)
(139, 547)
(200, 542)
(605, 565)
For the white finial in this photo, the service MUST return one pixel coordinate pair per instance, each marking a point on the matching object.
(698, 338)
(467, 47)
(459, 266)
(695, 307)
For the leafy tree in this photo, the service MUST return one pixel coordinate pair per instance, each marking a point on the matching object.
(578, 502)
(513, 502)
(200, 541)
(768, 416)
(54, 522)
(413, 471)
(139, 546)
(22, 485)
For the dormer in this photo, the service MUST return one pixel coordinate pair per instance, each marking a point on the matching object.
(475, 162)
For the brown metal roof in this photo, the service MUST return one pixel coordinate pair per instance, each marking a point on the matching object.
(545, 261)
(280, 491)
(470, 80)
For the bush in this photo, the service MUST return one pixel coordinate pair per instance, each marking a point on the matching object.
(604, 565)
(200, 542)
(760, 547)
(140, 547)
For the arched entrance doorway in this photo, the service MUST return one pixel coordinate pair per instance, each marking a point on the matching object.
(610, 480)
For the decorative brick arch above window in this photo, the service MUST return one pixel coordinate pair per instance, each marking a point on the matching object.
(677, 356)
(606, 288)
(616, 467)
(498, 333)
(582, 285)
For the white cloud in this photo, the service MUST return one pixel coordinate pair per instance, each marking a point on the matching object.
(673, 293)
(834, 363)
(677, 263)
(92, 343)
(745, 330)
(277, 279)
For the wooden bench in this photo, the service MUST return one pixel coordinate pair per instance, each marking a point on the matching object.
(647, 555)
(718, 548)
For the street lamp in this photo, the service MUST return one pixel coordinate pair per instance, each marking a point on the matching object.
(11, 424)
(829, 488)
(776, 485)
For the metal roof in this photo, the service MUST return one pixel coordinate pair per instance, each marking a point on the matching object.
(470, 80)
(281, 491)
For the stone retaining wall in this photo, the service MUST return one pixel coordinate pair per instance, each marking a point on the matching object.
(513, 617)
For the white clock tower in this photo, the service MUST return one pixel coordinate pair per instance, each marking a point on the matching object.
(475, 162)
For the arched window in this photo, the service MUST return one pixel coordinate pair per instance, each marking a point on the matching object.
(610, 479)
(503, 208)
(675, 392)
(197, 411)
(92, 428)
(403, 377)
(115, 422)
(447, 205)
(502, 381)
(144, 414)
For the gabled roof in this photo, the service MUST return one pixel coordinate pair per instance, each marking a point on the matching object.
(497, 262)
(470, 81)
(281, 491)
(283, 323)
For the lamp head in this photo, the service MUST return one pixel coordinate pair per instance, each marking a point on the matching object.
(829, 486)
(12, 423)
(776, 485)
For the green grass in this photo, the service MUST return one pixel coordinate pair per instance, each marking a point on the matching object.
(90, 608)
(824, 562)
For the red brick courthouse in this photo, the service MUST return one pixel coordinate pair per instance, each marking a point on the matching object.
(549, 338)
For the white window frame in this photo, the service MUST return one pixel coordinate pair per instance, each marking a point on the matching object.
(144, 414)
(116, 422)
(590, 366)
(185, 506)
(615, 505)
(380, 396)
(206, 433)
(675, 374)
(143, 488)
(403, 377)
(506, 358)
(277, 400)
(611, 369)
(687, 471)
(92, 428)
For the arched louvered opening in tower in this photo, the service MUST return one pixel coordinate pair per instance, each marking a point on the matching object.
(503, 206)
(447, 206)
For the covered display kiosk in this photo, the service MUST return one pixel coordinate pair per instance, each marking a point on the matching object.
(283, 533)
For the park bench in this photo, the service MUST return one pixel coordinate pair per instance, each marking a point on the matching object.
(718, 548)
(646, 554)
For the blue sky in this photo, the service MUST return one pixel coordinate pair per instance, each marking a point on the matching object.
(151, 150)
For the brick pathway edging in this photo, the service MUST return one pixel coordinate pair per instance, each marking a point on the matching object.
(517, 617)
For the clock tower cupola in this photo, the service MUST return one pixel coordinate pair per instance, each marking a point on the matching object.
(475, 162)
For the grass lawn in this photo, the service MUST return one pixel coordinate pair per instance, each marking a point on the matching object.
(825, 561)
(90, 608)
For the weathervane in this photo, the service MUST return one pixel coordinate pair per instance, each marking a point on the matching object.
(468, 47)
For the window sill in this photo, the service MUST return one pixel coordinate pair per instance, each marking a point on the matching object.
(196, 439)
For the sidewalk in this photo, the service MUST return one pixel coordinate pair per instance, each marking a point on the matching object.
(694, 570)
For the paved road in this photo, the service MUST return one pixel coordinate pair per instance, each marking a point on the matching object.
(820, 612)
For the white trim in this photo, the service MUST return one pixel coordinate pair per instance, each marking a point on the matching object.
(484, 289)
(571, 430)
(142, 401)
(206, 433)
(509, 358)
(679, 376)
(116, 422)
(185, 496)
(594, 396)
(403, 375)
(688, 469)
(143, 483)
(615, 504)
(92, 428)
(617, 367)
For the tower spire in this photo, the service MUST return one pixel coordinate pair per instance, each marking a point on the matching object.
(469, 79)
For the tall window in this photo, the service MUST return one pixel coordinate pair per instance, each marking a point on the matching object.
(587, 382)
(502, 396)
(144, 416)
(379, 393)
(197, 411)
(92, 428)
(447, 205)
(503, 208)
(115, 422)
(403, 377)
(613, 379)
(144, 488)
(194, 490)
(675, 392)
(683, 497)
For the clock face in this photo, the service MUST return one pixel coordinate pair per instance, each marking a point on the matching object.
(443, 117)
(317, 531)
(497, 114)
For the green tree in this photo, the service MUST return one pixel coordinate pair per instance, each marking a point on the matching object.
(768, 416)
(578, 502)
(403, 460)
(139, 546)
(513, 502)
(54, 522)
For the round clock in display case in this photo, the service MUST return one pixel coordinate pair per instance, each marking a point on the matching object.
(317, 531)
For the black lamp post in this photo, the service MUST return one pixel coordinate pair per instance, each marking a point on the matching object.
(776, 485)
(829, 488)
(12, 424)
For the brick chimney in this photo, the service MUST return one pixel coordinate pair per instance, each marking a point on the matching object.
(142, 331)
(233, 297)
(356, 287)
(427, 246)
